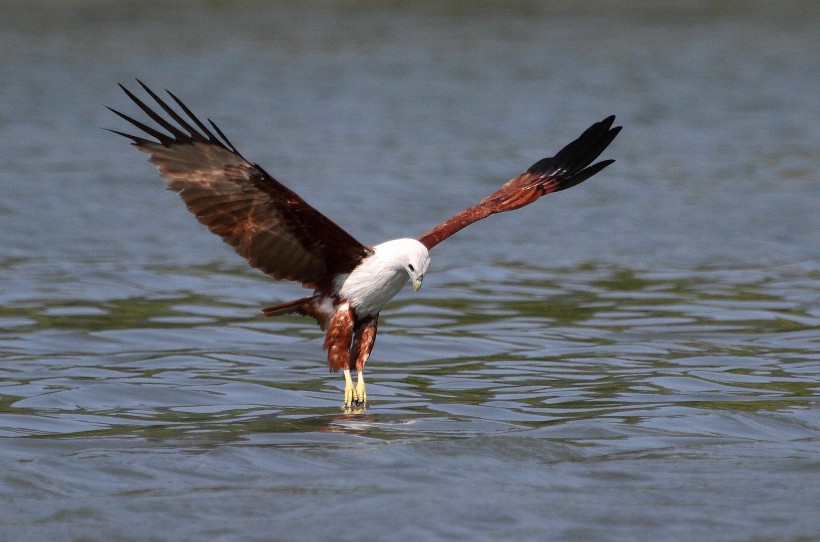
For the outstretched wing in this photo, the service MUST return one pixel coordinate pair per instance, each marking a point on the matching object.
(569, 167)
(263, 220)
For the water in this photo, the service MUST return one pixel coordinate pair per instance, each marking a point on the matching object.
(634, 359)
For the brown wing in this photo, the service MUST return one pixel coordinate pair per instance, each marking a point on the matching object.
(569, 167)
(263, 220)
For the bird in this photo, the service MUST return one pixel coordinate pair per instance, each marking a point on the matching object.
(283, 236)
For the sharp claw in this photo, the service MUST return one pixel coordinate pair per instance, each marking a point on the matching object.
(359, 394)
(350, 391)
(355, 397)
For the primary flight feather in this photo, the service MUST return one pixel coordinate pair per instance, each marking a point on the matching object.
(279, 233)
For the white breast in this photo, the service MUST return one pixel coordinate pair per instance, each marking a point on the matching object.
(382, 275)
(368, 287)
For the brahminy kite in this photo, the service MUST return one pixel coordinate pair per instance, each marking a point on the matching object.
(281, 235)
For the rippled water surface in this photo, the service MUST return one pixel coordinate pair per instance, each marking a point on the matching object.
(634, 359)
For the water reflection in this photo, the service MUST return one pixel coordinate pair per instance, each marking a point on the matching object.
(541, 351)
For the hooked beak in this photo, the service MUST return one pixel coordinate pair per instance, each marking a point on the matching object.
(417, 283)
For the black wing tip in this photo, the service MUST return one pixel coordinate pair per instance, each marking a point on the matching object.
(161, 137)
(182, 132)
(135, 140)
(225, 141)
(575, 158)
(606, 124)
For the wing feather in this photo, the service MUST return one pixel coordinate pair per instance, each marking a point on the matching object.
(571, 166)
(268, 224)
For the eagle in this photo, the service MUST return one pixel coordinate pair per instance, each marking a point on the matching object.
(279, 233)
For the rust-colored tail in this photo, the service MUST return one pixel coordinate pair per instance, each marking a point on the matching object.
(297, 305)
(314, 306)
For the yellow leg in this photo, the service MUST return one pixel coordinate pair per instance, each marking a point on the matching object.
(355, 396)
(349, 389)
(360, 394)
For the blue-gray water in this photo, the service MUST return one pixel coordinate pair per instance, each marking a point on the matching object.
(634, 359)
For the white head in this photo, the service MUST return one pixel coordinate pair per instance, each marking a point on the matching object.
(408, 255)
(383, 274)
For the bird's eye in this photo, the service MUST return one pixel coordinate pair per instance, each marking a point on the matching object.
(410, 266)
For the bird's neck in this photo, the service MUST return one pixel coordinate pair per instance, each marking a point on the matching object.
(372, 284)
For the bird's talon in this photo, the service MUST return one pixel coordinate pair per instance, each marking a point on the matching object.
(359, 396)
